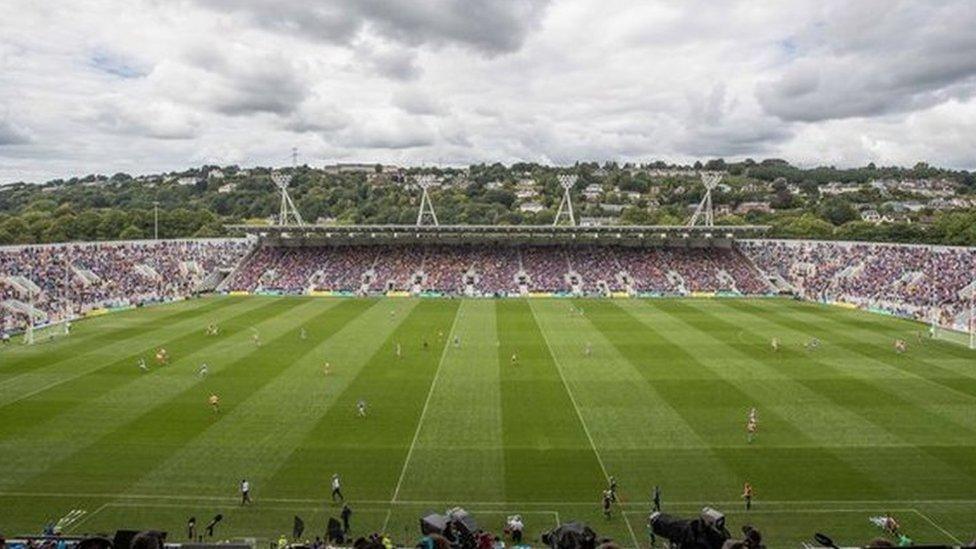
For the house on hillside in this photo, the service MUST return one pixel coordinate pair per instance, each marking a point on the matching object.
(746, 207)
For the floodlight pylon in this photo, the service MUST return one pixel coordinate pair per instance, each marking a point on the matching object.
(287, 211)
(426, 211)
(704, 213)
(566, 181)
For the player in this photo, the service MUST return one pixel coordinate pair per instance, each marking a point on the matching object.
(457, 342)
(214, 403)
(753, 414)
(337, 488)
(212, 329)
(162, 357)
(361, 408)
(656, 498)
(813, 344)
(327, 369)
(607, 501)
(256, 338)
(891, 525)
(440, 335)
(203, 370)
(399, 351)
(747, 495)
(775, 344)
(245, 492)
(515, 360)
(588, 350)
(143, 366)
(612, 486)
(751, 428)
(424, 345)
(900, 346)
(303, 334)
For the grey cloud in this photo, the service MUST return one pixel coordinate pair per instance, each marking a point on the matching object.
(238, 82)
(490, 27)
(418, 101)
(395, 64)
(147, 119)
(732, 139)
(388, 133)
(317, 118)
(883, 58)
(12, 135)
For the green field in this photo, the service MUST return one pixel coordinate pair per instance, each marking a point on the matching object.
(846, 432)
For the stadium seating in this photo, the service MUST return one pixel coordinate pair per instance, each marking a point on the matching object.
(75, 278)
(908, 280)
(501, 270)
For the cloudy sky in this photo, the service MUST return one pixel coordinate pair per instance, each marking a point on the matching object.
(148, 85)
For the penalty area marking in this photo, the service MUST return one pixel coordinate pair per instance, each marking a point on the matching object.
(939, 528)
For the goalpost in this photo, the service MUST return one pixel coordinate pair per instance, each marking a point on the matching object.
(46, 332)
(37, 327)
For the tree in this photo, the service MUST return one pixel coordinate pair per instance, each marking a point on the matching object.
(838, 211)
(804, 226)
(131, 233)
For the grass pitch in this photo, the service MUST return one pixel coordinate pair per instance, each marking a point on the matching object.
(845, 432)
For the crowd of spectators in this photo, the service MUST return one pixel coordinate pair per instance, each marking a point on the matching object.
(921, 282)
(75, 278)
(497, 270)
(546, 268)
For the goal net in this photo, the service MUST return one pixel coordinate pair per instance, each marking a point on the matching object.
(47, 332)
(961, 333)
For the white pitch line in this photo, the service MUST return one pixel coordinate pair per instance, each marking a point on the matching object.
(941, 529)
(386, 520)
(755, 511)
(99, 509)
(579, 414)
(698, 503)
(423, 413)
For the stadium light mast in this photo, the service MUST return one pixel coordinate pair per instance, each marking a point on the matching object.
(155, 220)
(287, 210)
(704, 213)
(566, 181)
(425, 182)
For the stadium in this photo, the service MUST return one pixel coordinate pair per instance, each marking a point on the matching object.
(492, 274)
(469, 375)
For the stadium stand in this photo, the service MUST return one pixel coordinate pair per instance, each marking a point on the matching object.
(497, 270)
(904, 279)
(72, 279)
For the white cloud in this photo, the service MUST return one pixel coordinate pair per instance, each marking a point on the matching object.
(144, 86)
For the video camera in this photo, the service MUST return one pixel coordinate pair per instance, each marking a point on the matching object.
(705, 532)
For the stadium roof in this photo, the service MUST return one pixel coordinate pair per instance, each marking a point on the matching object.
(527, 234)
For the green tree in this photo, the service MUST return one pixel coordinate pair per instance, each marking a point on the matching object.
(131, 232)
(838, 211)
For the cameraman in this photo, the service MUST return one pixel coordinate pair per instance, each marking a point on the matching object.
(707, 531)
(751, 539)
